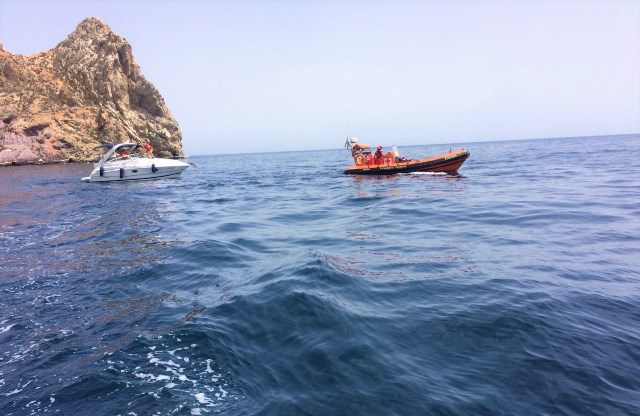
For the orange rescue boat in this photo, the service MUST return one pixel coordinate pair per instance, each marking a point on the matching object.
(390, 163)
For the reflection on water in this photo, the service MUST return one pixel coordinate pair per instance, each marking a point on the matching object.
(72, 256)
(405, 185)
(53, 226)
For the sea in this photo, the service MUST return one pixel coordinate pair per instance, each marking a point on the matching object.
(273, 284)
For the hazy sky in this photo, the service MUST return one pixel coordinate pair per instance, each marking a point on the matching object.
(255, 76)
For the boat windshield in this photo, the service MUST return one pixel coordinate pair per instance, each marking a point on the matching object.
(124, 152)
(362, 149)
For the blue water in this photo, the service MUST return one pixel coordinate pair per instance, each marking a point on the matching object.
(272, 284)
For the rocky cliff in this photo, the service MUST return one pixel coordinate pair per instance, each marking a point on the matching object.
(55, 106)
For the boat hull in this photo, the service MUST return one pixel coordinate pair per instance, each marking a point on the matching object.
(140, 170)
(448, 163)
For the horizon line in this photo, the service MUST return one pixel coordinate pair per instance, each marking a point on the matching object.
(430, 144)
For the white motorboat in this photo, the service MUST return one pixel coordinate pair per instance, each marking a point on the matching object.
(123, 162)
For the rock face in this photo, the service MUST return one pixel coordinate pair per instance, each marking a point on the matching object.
(55, 106)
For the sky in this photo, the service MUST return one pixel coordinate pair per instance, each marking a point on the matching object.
(259, 76)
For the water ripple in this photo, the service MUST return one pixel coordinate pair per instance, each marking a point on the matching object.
(272, 284)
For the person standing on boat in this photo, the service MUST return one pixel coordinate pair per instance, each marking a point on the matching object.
(147, 148)
(378, 155)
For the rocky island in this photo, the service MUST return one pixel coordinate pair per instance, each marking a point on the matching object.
(55, 106)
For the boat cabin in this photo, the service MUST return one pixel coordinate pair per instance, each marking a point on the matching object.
(361, 154)
(118, 151)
